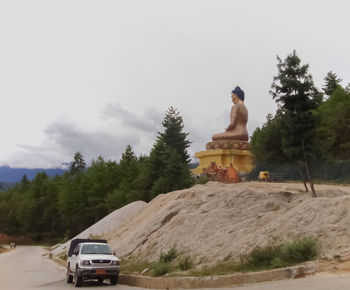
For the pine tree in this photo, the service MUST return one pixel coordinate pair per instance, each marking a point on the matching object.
(78, 163)
(331, 83)
(128, 156)
(24, 184)
(168, 160)
(173, 134)
(297, 98)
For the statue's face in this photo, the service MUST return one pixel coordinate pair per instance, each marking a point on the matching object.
(235, 98)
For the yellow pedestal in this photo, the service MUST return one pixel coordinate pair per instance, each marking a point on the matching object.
(242, 160)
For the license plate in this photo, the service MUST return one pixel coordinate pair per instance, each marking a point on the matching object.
(101, 271)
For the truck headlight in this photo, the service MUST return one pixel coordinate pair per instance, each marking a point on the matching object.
(85, 262)
(116, 262)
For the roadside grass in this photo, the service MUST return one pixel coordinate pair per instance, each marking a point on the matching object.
(62, 256)
(266, 258)
(170, 261)
(135, 266)
(185, 263)
(299, 250)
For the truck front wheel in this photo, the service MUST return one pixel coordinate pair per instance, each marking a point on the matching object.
(114, 280)
(78, 279)
(69, 277)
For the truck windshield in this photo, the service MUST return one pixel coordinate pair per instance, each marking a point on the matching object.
(96, 249)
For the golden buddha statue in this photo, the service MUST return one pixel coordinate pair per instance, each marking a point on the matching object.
(230, 149)
(236, 134)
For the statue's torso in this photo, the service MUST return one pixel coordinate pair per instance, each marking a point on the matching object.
(237, 129)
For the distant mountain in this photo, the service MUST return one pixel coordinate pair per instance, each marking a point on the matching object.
(8, 174)
(193, 165)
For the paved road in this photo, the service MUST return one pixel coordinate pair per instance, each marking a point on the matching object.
(27, 268)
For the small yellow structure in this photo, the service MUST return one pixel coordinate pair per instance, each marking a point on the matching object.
(242, 160)
(264, 176)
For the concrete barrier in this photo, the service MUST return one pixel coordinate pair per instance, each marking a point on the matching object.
(205, 282)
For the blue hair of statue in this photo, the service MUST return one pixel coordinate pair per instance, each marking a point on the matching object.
(240, 94)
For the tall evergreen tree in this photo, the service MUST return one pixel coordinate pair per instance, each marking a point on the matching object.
(297, 98)
(24, 184)
(128, 156)
(168, 160)
(78, 163)
(173, 134)
(331, 83)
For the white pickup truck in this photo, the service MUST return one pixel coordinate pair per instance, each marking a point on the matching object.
(91, 259)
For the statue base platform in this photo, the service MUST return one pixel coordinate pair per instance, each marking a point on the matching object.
(242, 160)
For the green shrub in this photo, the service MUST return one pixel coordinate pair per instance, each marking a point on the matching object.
(202, 180)
(263, 257)
(299, 250)
(169, 256)
(160, 269)
(185, 263)
(134, 266)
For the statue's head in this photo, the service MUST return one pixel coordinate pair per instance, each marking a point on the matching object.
(239, 93)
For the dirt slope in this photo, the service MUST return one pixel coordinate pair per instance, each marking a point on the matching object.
(216, 220)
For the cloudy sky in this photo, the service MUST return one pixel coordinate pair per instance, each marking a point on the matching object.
(94, 76)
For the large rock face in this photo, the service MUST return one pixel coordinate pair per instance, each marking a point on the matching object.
(217, 220)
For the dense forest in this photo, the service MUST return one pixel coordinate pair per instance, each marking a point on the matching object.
(55, 208)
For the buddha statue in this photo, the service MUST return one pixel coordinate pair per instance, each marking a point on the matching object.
(236, 134)
(229, 150)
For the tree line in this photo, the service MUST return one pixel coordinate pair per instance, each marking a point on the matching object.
(309, 124)
(54, 208)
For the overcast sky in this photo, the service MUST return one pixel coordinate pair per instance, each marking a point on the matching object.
(94, 76)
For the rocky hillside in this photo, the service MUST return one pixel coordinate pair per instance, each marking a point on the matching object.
(214, 221)
(217, 220)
